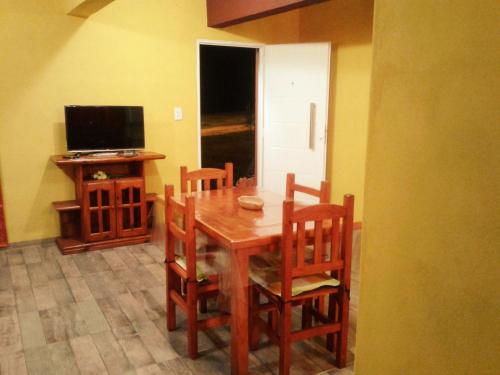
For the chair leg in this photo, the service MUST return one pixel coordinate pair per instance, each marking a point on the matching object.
(319, 303)
(192, 319)
(203, 305)
(285, 342)
(172, 284)
(307, 314)
(332, 317)
(341, 352)
(272, 320)
(254, 333)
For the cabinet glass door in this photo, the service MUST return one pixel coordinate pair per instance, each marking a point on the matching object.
(130, 207)
(98, 211)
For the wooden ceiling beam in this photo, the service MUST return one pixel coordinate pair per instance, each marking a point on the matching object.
(222, 13)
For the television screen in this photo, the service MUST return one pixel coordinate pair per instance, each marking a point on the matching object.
(103, 128)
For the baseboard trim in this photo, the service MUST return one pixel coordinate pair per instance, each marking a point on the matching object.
(358, 225)
(42, 242)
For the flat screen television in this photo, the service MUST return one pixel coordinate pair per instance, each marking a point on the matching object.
(104, 128)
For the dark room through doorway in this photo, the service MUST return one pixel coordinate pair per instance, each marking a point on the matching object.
(227, 99)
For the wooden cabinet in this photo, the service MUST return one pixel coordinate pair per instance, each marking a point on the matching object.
(106, 213)
(3, 228)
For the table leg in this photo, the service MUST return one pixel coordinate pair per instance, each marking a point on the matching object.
(239, 313)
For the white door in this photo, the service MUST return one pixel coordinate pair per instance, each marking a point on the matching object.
(295, 114)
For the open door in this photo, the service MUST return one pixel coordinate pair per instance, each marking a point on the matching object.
(295, 114)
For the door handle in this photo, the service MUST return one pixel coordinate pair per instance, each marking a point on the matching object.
(312, 125)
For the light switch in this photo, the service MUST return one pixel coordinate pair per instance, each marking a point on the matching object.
(177, 113)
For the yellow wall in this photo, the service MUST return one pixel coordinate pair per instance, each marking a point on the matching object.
(130, 52)
(348, 26)
(144, 52)
(429, 300)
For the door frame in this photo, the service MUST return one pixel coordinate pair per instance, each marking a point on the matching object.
(259, 81)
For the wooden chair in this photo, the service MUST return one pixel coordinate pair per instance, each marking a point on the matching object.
(297, 281)
(223, 178)
(191, 269)
(323, 194)
(291, 187)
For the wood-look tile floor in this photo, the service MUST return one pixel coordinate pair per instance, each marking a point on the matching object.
(103, 312)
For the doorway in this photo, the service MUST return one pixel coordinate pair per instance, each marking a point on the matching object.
(279, 125)
(228, 108)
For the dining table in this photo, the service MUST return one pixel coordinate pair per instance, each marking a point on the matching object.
(243, 233)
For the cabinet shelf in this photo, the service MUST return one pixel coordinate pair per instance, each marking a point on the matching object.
(61, 160)
(71, 205)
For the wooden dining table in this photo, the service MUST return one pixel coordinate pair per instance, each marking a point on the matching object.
(242, 233)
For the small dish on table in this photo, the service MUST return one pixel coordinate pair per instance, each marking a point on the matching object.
(251, 202)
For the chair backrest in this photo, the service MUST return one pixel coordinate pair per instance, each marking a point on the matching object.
(177, 214)
(327, 221)
(223, 178)
(291, 187)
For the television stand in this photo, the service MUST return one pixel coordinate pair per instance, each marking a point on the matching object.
(105, 213)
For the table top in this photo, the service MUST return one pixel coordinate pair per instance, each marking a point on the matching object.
(220, 216)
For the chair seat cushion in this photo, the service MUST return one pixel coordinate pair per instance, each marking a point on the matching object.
(204, 265)
(265, 271)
